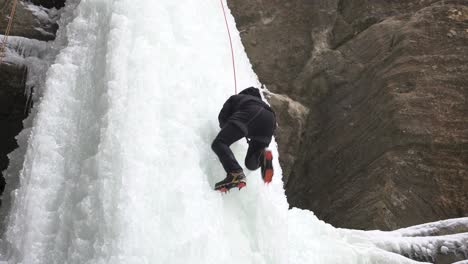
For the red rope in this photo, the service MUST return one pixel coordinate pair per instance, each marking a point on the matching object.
(232, 49)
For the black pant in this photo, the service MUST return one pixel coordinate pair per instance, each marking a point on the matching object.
(230, 133)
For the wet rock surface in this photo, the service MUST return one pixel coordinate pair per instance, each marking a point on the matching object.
(384, 143)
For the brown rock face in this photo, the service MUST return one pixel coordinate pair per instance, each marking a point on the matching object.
(384, 143)
(14, 103)
(292, 117)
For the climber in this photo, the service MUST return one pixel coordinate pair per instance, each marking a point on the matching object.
(245, 115)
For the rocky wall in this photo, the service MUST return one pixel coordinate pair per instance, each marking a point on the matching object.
(382, 138)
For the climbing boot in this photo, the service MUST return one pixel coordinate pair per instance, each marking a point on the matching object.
(233, 179)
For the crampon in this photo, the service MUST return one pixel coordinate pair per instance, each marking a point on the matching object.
(228, 187)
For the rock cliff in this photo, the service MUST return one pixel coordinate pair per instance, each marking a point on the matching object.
(372, 101)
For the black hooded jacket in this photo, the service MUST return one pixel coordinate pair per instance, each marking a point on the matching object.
(242, 109)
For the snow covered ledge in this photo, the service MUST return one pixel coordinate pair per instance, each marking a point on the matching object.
(439, 242)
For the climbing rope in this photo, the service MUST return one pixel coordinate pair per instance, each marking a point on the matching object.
(232, 49)
(7, 31)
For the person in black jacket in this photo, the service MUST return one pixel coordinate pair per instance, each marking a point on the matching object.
(245, 115)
